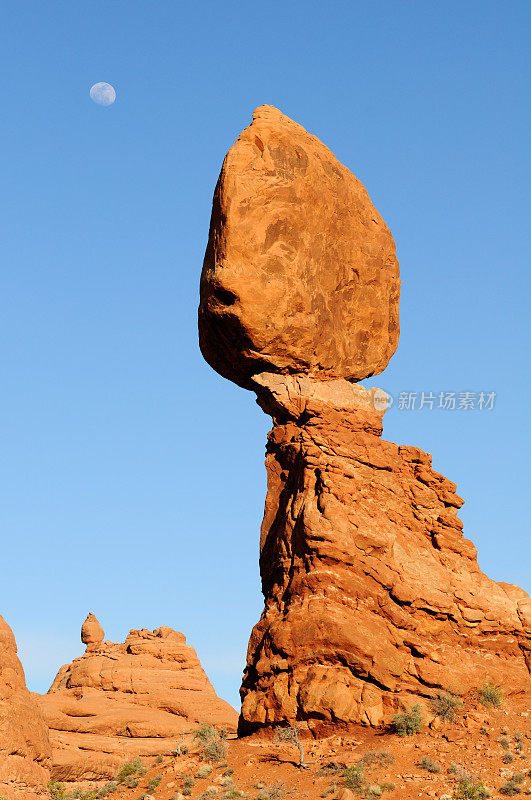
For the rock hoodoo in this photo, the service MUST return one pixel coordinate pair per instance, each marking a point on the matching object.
(24, 744)
(123, 700)
(373, 597)
(92, 634)
(300, 272)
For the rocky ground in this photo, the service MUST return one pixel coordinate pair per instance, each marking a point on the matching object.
(491, 744)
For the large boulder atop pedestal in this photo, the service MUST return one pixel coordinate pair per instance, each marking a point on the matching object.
(300, 273)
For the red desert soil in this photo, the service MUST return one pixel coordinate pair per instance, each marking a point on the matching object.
(264, 770)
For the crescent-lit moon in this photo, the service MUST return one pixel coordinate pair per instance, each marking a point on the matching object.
(103, 94)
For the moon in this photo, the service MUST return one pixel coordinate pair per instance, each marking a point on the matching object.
(103, 94)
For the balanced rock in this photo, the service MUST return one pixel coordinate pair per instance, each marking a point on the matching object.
(373, 598)
(24, 744)
(126, 700)
(92, 634)
(300, 273)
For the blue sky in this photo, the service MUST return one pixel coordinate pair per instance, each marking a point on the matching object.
(132, 481)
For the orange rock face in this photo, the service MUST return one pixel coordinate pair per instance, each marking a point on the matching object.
(123, 700)
(373, 597)
(24, 744)
(300, 273)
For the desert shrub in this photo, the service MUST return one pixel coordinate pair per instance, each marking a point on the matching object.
(490, 695)
(56, 790)
(205, 732)
(512, 786)
(445, 705)
(128, 768)
(453, 769)
(159, 759)
(386, 786)
(332, 768)
(215, 749)
(275, 791)
(187, 782)
(372, 792)
(379, 757)
(186, 792)
(290, 733)
(408, 723)
(107, 788)
(504, 742)
(204, 771)
(353, 777)
(229, 771)
(154, 782)
(429, 765)
(471, 789)
(507, 758)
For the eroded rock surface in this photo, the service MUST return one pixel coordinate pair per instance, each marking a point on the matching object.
(131, 699)
(300, 273)
(24, 744)
(373, 597)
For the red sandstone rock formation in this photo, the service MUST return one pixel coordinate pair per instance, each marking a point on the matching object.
(373, 597)
(92, 634)
(24, 744)
(123, 700)
(300, 272)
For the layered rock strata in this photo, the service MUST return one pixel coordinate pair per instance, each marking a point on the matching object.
(24, 744)
(373, 597)
(123, 700)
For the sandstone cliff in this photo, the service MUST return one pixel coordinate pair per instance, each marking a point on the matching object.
(123, 700)
(24, 745)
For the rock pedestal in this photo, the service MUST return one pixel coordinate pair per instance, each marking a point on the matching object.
(24, 744)
(124, 700)
(373, 597)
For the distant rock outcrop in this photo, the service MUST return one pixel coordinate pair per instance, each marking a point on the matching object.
(24, 744)
(373, 597)
(123, 700)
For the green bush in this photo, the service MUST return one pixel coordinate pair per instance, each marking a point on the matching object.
(408, 723)
(128, 768)
(445, 705)
(154, 782)
(491, 695)
(471, 789)
(353, 777)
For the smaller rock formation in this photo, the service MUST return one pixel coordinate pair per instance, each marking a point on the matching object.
(92, 634)
(123, 700)
(24, 744)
